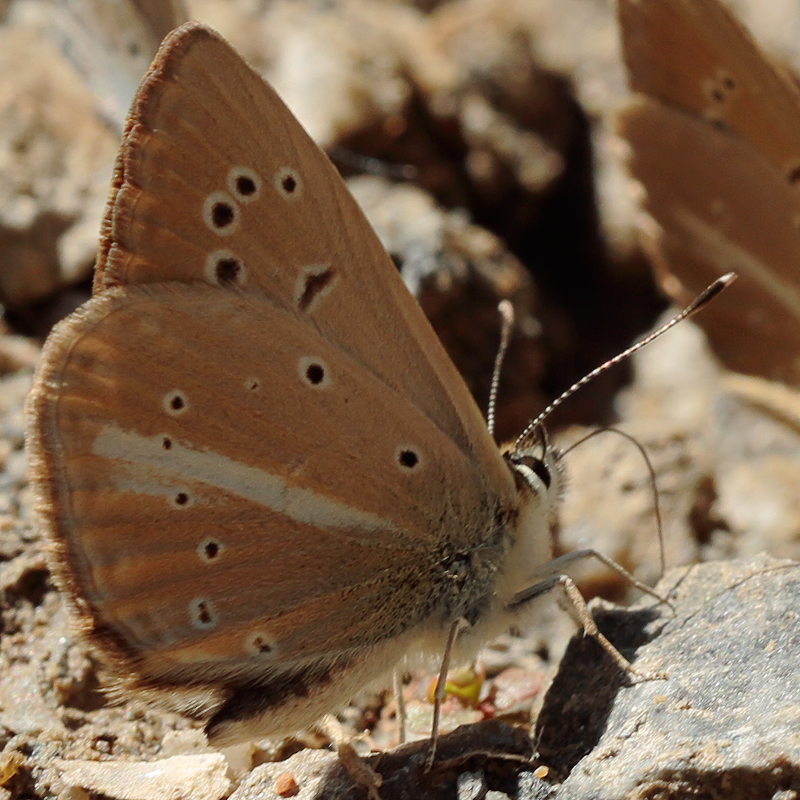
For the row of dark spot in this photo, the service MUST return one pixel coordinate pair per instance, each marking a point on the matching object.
(222, 215)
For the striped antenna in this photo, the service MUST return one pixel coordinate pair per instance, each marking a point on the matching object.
(705, 297)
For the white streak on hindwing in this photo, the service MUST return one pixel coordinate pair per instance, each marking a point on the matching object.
(251, 483)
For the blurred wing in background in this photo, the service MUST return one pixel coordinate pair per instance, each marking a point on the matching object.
(715, 142)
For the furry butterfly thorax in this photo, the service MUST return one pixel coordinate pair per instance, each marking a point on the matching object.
(262, 482)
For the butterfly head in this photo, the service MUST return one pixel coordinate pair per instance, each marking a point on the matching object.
(536, 466)
(538, 473)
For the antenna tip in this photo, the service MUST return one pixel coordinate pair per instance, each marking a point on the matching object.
(722, 283)
(712, 291)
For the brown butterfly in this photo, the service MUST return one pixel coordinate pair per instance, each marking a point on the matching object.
(715, 141)
(263, 482)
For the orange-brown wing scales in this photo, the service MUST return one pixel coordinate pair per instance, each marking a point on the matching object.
(219, 182)
(696, 56)
(722, 207)
(197, 459)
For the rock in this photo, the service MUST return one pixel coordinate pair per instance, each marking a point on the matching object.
(493, 749)
(200, 777)
(726, 720)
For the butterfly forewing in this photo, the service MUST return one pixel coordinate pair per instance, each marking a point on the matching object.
(697, 57)
(217, 182)
(261, 478)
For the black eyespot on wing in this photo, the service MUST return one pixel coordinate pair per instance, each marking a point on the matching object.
(211, 549)
(289, 183)
(202, 614)
(260, 644)
(245, 185)
(222, 214)
(227, 271)
(408, 459)
(315, 283)
(315, 373)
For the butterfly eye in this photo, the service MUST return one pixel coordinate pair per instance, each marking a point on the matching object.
(534, 465)
(541, 471)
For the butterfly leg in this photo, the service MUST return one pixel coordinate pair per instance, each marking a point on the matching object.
(360, 771)
(459, 625)
(577, 602)
(557, 564)
(401, 706)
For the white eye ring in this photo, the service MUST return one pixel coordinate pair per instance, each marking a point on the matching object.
(202, 613)
(288, 184)
(221, 213)
(244, 184)
(175, 403)
(408, 458)
(260, 644)
(314, 372)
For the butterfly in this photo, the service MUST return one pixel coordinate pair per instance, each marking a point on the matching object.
(262, 481)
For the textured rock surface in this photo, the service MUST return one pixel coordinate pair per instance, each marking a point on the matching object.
(724, 722)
